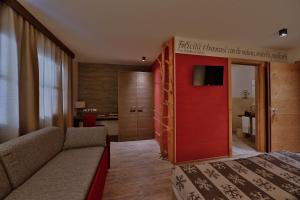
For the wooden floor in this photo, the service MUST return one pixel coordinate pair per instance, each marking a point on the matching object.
(137, 172)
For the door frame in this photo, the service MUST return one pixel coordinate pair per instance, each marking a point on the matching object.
(261, 103)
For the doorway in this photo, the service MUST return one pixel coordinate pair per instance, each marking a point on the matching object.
(243, 98)
(247, 107)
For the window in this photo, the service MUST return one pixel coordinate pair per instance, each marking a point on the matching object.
(19, 63)
(9, 100)
(49, 82)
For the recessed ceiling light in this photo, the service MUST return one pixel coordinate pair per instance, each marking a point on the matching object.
(283, 32)
(143, 58)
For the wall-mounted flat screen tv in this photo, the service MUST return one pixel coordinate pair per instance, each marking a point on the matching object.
(208, 75)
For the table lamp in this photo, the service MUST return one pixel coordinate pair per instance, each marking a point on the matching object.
(80, 105)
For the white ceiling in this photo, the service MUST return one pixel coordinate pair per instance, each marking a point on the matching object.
(122, 31)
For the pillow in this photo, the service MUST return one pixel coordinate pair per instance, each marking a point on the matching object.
(85, 137)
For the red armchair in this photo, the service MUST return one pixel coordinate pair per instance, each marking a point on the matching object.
(89, 120)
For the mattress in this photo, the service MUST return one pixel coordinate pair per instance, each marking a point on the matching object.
(265, 176)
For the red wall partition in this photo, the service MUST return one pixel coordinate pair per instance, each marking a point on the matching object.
(201, 111)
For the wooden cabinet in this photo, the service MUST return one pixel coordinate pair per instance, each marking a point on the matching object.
(135, 105)
(284, 107)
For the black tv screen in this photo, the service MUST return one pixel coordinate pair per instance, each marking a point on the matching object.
(207, 75)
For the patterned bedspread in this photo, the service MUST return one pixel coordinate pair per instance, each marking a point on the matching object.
(266, 176)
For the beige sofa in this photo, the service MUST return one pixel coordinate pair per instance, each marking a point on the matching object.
(44, 165)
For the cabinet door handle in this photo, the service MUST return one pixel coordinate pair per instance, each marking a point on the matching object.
(132, 108)
(140, 108)
(275, 111)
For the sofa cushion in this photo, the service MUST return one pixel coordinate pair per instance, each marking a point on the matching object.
(85, 137)
(68, 176)
(5, 186)
(23, 156)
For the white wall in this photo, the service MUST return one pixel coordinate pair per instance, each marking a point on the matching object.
(242, 77)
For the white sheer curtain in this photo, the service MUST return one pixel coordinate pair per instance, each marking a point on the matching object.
(50, 83)
(55, 85)
(9, 99)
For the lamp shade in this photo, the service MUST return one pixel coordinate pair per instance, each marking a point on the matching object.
(80, 104)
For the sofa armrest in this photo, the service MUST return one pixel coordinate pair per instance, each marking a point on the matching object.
(85, 137)
(98, 182)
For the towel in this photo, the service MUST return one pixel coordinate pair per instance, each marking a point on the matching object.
(253, 126)
(246, 124)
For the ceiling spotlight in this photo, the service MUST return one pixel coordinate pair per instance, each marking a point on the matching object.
(143, 58)
(283, 32)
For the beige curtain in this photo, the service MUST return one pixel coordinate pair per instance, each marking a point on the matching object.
(28, 77)
(67, 89)
(35, 77)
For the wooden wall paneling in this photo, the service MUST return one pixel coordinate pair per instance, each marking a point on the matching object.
(162, 101)
(174, 101)
(98, 84)
(127, 101)
(145, 105)
(285, 100)
(157, 109)
(269, 116)
(98, 88)
(229, 108)
(167, 116)
(261, 107)
(171, 105)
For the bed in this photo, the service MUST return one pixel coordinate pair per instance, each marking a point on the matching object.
(261, 177)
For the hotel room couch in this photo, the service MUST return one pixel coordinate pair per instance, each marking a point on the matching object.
(47, 165)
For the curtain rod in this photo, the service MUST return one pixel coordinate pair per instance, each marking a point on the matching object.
(15, 5)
